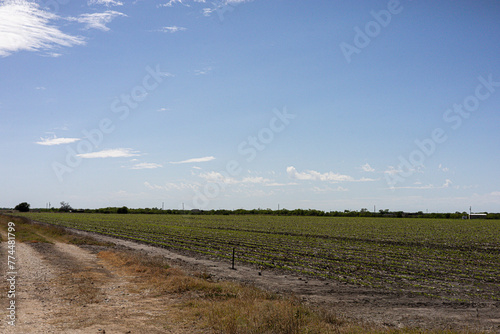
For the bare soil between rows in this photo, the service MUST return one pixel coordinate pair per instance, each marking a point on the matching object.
(376, 306)
(63, 288)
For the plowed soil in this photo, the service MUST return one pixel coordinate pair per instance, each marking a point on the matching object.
(63, 288)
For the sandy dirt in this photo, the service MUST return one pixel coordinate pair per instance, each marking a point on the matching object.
(63, 288)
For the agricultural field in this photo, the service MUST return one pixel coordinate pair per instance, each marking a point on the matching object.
(455, 260)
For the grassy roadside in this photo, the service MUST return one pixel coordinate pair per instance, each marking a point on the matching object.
(28, 232)
(223, 307)
(217, 307)
(231, 308)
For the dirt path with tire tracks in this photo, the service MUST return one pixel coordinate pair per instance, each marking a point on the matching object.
(62, 288)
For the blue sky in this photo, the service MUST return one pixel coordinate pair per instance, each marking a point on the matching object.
(329, 105)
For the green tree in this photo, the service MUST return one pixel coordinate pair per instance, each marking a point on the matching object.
(123, 209)
(65, 207)
(22, 207)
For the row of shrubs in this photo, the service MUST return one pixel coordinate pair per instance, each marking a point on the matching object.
(65, 207)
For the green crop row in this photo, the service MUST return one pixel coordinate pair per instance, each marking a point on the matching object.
(442, 258)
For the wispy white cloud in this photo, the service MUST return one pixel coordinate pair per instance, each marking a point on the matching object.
(217, 177)
(52, 55)
(146, 165)
(277, 184)
(194, 160)
(221, 6)
(171, 3)
(220, 178)
(208, 11)
(204, 71)
(111, 153)
(367, 168)
(391, 170)
(317, 176)
(447, 183)
(97, 20)
(172, 186)
(328, 189)
(172, 29)
(24, 26)
(64, 127)
(56, 141)
(40, 88)
(107, 3)
(418, 185)
(255, 180)
(163, 109)
(443, 169)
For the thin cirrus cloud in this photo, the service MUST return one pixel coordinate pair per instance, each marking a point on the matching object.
(221, 6)
(26, 27)
(328, 189)
(367, 168)
(111, 153)
(219, 178)
(204, 71)
(171, 186)
(146, 165)
(194, 160)
(107, 3)
(312, 175)
(171, 3)
(97, 20)
(446, 184)
(172, 29)
(443, 169)
(56, 141)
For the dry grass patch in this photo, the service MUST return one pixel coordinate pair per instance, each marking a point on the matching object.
(32, 232)
(233, 308)
(24, 231)
(261, 315)
(223, 307)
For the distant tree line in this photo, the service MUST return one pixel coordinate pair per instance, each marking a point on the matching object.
(282, 212)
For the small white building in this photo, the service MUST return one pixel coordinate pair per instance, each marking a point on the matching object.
(477, 216)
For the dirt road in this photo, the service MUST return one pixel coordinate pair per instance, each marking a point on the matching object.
(61, 288)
